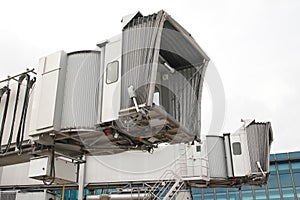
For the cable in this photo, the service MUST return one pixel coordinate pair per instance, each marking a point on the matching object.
(21, 78)
(20, 135)
(7, 91)
(2, 92)
(52, 169)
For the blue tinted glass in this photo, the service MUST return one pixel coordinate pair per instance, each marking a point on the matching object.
(287, 193)
(233, 189)
(297, 179)
(247, 195)
(283, 168)
(220, 190)
(209, 196)
(298, 191)
(234, 195)
(208, 190)
(295, 154)
(74, 194)
(260, 194)
(272, 157)
(197, 196)
(221, 196)
(295, 166)
(196, 191)
(273, 181)
(281, 156)
(246, 188)
(274, 194)
(273, 168)
(285, 180)
(259, 187)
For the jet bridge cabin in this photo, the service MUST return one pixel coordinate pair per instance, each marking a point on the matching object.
(135, 90)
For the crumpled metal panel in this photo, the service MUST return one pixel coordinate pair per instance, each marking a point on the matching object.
(259, 137)
(181, 93)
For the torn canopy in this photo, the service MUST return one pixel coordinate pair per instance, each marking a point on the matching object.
(165, 67)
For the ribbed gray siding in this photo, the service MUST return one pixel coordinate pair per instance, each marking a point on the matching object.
(80, 106)
(140, 48)
(259, 136)
(216, 157)
(181, 92)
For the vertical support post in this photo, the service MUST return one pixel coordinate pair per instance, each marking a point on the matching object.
(63, 193)
(81, 180)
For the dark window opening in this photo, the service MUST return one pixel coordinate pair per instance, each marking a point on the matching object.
(237, 149)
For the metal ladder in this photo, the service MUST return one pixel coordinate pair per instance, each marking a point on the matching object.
(166, 187)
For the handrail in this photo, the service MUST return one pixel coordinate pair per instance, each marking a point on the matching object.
(13, 77)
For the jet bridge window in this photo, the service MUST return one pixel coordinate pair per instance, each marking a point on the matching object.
(112, 72)
(237, 150)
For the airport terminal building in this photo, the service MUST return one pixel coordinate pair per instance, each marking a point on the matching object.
(284, 183)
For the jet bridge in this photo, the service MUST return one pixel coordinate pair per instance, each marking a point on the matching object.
(77, 118)
(228, 160)
(133, 92)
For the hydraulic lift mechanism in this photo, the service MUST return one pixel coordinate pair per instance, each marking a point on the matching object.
(78, 118)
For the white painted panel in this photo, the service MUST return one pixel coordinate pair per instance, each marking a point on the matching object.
(50, 85)
(241, 163)
(39, 167)
(43, 195)
(111, 92)
(134, 166)
(16, 175)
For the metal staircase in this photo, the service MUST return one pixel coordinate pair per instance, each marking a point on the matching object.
(166, 187)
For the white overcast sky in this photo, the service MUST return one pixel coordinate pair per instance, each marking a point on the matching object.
(254, 44)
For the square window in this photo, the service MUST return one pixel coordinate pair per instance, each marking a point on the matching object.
(274, 194)
(221, 196)
(244, 188)
(295, 166)
(233, 189)
(234, 195)
(295, 154)
(247, 195)
(196, 191)
(237, 150)
(283, 168)
(209, 196)
(273, 181)
(285, 180)
(281, 156)
(288, 193)
(260, 194)
(197, 196)
(208, 190)
(220, 190)
(112, 72)
(297, 179)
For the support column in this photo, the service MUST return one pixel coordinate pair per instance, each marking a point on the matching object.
(81, 180)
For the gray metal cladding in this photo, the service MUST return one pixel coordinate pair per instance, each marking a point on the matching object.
(216, 156)
(141, 64)
(186, 98)
(259, 137)
(139, 56)
(83, 80)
